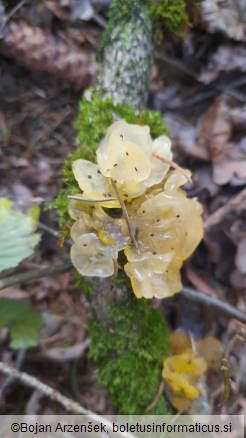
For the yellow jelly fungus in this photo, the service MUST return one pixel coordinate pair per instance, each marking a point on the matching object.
(126, 155)
(182, 373)
(89, 254)
(166, 237)
(185, 371)
(105, 237)
(211, 350)
(181, 386)
(179, 342)
(159, 226)
(93, 183)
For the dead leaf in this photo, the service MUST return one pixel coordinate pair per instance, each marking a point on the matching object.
(214, 133)
(214, 128)
(228, 16)
(61, 8)
(14, 293)
(66, 354)
(229, 166)
(184, 138)
(225, 59)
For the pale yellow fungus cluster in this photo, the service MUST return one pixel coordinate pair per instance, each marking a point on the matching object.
(184, 372)
(158, 228)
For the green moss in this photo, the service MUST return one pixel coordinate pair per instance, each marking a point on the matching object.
(82, 284)
(171, 15)
(95, 116)
(123, 11)
(129, 357)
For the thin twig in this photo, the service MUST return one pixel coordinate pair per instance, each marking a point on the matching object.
(33, 382)
(217, 216)
(92, 201)
(49, 230)
(174, 165)
(11, 13)
(225, 369)
(69, 404)
(157, 397)
(215, 303)
(125, 214)
(34, 275)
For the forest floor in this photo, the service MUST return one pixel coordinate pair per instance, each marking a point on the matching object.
(199, 86)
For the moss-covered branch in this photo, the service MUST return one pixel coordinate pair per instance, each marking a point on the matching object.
(129, 338)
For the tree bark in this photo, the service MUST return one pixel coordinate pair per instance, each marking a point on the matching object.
(125, 71)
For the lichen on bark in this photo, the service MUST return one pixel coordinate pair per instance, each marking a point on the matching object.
(127, 58)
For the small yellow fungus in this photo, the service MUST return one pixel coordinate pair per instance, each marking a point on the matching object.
(183, 374)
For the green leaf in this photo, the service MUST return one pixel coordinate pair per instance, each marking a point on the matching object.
(17, 239)
(23, 323)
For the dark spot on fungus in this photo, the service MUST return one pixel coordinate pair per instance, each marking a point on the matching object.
(143, 211)
(157, 220)
(89, 177)
(154, 252)
(127, 153)
(136, 233)
(136, 169)
(115, 164)
(177, 215)
(98, 171)
(126, 196)
(121, 136)
(152, 234)
(85, 244)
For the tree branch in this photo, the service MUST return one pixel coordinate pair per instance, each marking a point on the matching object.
(218, 215)
(226, 308)
(34, 275)
(48, 230)
(69, 404)
(33, 382)
(128, 55)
